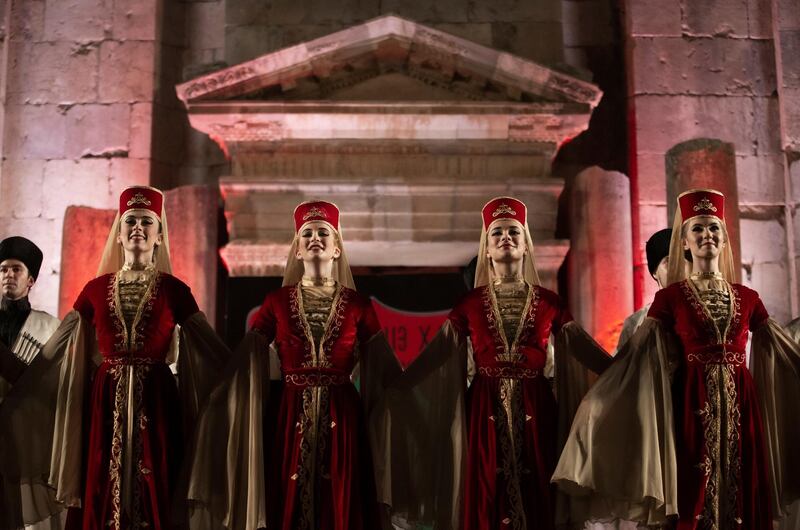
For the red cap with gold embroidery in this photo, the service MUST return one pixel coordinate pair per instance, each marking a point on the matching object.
(316, 211)
(141, 198)
(701, 202)
(504, 208)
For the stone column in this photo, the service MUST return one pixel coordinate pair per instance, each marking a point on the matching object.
(192, 220)
(706, 163)
(600, 262)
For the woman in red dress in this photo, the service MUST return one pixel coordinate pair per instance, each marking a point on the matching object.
(99, 425)
(314, 470)
(512, 413)
(707, 443)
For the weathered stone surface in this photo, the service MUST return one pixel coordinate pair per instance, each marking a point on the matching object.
(540, 42)
(439, 12)
(651, 177)
(759, 19)
(766, 126)
(763, 241)
(652, 218)
(246, 42)
(654, 17)
(127, 172)
(789, 14)
(600, 262)
(27, 20)
(204, 24)
(98, 131)
(790, 102)
(85, 233)
(760, 178)
(193, 250)
(141, 130)
(770, 281)
(663, 120)
(21, 190)
(78, 20)
(794, 177)
(52, 72)
(135, 20)
(674, 65)
(127, 71)
(715, 17)
(479, 33)
(790, 58)
(587, 23)
(169, 134)
(515, 11)
(79, 182)
(34, 131)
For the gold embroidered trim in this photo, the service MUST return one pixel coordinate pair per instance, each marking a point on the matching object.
(510, 431)
(503, 209)
(315, 212)
(494, 322)
(508, 372)
(717, 357)
(316, 379)
(139, 199)
(704, 204)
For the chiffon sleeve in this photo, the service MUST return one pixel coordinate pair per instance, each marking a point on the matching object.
(775, 365)
(427, 435)
(226, 488)
(624, 422)
(41, 427)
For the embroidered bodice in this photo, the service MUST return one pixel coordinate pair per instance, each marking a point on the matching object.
(511, 297)
(135, 317)
(498, 339)
(132, 289)
(712, 326)
(305, 346)
(317, 303)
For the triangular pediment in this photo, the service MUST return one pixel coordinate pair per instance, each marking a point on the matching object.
(390, 59)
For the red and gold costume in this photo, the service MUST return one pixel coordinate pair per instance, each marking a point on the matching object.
(111, 443)
(707, 439)
(512, 414)
(310, 465)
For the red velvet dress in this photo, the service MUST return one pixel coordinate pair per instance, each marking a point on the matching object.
(512, 414)
(319, 471)
(134, 431)
(722, 468)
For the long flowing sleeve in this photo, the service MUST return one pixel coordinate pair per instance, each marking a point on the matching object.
(625, 422)
(226, 488)
(775, 365)
(41, 423)
(378, 369)
(428, 433)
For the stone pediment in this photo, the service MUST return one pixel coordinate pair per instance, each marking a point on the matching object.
(368, 53)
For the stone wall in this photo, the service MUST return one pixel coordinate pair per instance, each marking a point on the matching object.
(78, 88)
(529, 28)
(708, 69)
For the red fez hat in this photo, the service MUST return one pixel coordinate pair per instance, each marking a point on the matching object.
(307, 212)
(504, 208)
(141, 198)
(701, 202)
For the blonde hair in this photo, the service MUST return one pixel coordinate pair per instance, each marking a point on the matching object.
(340, 272)
(484, 271)
(679, 267)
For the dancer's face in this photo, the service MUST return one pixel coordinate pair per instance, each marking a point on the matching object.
(16, 280)
(317, 242)
(661, 272)
(139, 231)
(704, 237)
(506, 241)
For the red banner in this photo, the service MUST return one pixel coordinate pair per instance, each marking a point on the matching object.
(408, 331)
